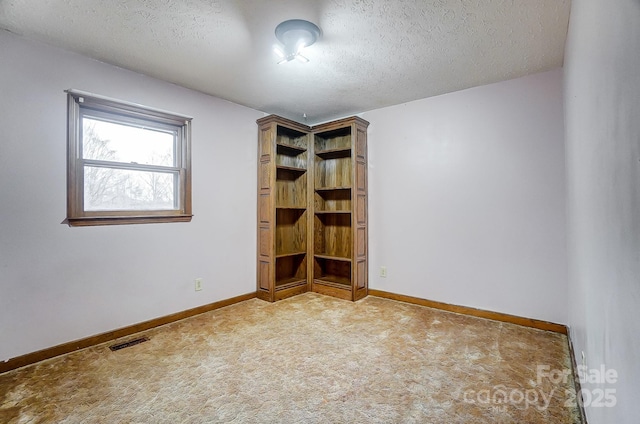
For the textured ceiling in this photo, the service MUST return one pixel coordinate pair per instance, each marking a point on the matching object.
(372, 53)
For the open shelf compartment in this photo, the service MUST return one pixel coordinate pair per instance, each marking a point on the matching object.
(291, 271)
(291, 188)
(291, 230)
(291, 149)
(332, 272)
(333, 173)
(332, 235)
(290, 141)
(336, 200)
(337, 139)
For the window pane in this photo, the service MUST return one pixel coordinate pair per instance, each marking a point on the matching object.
(108, 141)
(109, 189)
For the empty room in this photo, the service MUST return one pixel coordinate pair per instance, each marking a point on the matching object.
(319, 211)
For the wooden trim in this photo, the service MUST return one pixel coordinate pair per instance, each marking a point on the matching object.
(290, 291)
(576, 378)
(51, 352)
(284, 122)
(480, 313)
(87, 221)
(327, 126)
(339, 292)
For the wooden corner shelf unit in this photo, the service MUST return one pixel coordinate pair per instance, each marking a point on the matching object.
(312, 208)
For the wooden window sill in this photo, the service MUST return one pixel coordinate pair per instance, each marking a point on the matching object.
(124, 220)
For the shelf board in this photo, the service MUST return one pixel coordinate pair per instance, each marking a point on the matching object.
(290, 282)
(331, 188)
(285, 255)
(301, 208)
(332, 258)
(291, 168)
(289, 149)
(329, 212)
(334, 281)
(341, 152)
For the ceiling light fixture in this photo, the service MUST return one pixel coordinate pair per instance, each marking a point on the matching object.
(295, 35)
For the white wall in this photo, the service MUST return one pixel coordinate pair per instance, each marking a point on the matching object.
(602, 113)
(59, 284)
(467, 198)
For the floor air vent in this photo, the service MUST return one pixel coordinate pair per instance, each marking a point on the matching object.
(128, 344)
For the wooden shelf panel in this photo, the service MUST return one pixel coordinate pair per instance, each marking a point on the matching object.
(291, 168)
(289, 149)
(284, 255)
(332, 258)
(301, 208)
(289, 282)
(334, 290)
(341, 152)
(334, 281)
(289, 291)
(332, 188)
(327, 212)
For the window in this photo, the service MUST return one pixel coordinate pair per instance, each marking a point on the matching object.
(127, 164)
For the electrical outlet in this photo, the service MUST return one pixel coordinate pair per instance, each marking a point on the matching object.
(383, 271)
(198, 284)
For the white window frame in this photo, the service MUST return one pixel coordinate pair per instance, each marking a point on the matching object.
(80, 102)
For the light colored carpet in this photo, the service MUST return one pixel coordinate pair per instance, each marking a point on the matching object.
(307, 359)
